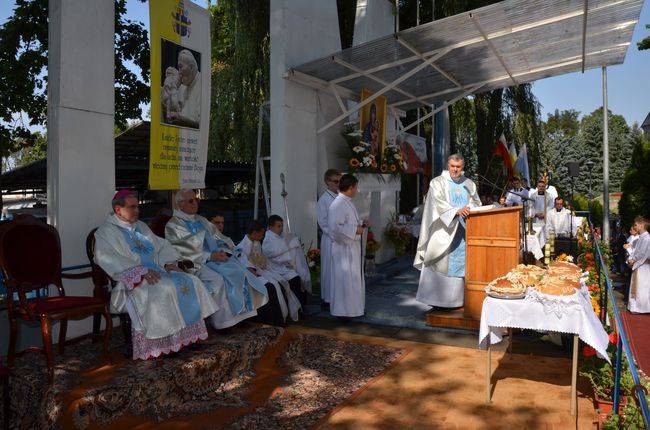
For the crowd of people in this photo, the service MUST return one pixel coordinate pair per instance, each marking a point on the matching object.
(266, 277)
(170, 286)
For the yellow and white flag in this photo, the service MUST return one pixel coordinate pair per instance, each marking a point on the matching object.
(180, 94)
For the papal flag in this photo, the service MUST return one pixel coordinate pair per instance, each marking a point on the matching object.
(180, 94)
(521, 166)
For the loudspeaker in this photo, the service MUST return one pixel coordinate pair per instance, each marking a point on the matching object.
(574, 168)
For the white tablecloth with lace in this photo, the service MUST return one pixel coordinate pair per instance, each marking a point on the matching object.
(572, 314)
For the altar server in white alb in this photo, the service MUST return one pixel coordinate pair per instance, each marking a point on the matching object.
(332, 178)
(254, 258)
(348, 288)
(440, 254)
(286, 259)
(639, 301)
(166, 306)
(558, 219)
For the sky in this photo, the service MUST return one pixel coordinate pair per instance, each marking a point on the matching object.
(628, 84)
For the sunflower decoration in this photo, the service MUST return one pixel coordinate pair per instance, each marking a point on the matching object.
(384, 168)
(353, 162)
(393, 159)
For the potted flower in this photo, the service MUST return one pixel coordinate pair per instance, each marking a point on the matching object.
(398, 235)
(601, 376)
(313, 261)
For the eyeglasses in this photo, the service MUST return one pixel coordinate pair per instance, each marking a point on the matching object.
(196, 200)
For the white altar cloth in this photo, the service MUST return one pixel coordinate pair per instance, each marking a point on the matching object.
(576, 316)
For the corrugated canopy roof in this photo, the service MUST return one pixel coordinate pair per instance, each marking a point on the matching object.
(507, 43)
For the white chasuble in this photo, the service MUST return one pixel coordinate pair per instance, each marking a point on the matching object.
(639, 301)
(157, 310)
(348, 288)
(439, 236)
(237, 291)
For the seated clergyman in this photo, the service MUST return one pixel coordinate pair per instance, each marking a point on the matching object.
(252, 252)
(237, 291)
(285, 260)
(166, 306)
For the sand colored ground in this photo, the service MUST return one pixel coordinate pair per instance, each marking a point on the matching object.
(443, 387)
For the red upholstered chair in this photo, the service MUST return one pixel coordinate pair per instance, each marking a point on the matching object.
(30, 258)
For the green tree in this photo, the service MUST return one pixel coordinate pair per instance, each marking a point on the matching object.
(23, 71)
(590, 141)
(645, 43)
(240, 76)
(636, 184)
(560, 146)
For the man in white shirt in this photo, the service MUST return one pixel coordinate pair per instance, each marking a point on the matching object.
(332, 178)
(558, 219)
(541, 200)
(515, 194)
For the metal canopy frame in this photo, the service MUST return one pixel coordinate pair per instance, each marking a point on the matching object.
(507, 43)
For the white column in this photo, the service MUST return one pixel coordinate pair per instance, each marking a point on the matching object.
(377, 200)
(373, 19)
(301, 30)
(81, 153)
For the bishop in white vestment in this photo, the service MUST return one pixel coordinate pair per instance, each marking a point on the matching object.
(440, 254)
(166, 306)
(332, 178)
(237, 291)
(348, 288)
(639, 300)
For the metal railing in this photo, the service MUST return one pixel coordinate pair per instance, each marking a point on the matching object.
(623, 343)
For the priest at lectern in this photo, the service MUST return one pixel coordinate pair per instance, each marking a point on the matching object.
(440, 255)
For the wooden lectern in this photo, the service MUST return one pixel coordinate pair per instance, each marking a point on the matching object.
(492, 250)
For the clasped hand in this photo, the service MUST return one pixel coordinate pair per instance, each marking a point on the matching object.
(463, 212)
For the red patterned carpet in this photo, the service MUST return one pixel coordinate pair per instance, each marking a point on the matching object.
(636, 327)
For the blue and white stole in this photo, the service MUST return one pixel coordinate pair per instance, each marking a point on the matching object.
(232, 271)
(459, 197)
(188, 302)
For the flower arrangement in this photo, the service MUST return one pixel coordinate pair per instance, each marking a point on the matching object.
(565, 257)
(601, 374)
(372, 246)
(393, 161)
(313, 262)
(362, 159)
(399, 236)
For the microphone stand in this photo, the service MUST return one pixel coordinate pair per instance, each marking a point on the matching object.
(524, 200)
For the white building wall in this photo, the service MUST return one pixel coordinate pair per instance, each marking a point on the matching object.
(81, 155)
(301, 30)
